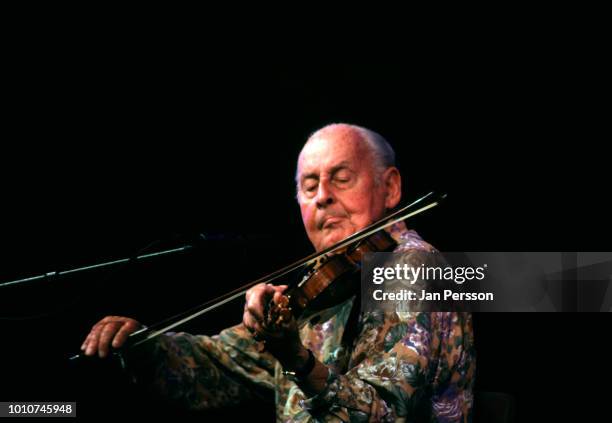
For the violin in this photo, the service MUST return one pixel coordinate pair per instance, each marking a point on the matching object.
(329, 276)
(331, 282)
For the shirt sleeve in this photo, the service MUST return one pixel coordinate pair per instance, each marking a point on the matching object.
(200, 372)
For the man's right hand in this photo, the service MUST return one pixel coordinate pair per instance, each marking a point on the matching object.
(112, 330)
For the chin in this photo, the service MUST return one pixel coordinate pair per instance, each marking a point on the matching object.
(332, 239)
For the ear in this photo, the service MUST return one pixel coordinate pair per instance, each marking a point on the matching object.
(393, 187)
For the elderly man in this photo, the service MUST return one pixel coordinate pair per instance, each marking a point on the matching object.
(342, 364)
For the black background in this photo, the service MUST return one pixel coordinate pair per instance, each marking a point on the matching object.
(107, 152)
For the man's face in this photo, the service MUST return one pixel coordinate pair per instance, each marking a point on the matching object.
(337, 189)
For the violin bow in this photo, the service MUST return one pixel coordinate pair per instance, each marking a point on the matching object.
(418, 206)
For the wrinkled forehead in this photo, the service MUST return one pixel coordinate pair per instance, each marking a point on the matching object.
(325, 153)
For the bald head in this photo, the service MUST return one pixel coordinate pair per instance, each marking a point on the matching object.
(346, 180)
(369, 142)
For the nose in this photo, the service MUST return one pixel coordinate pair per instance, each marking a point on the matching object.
(324, 195)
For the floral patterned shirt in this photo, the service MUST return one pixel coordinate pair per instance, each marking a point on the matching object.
(401, 366)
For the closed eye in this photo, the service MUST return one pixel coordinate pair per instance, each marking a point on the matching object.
(309, 185)
(342, 175)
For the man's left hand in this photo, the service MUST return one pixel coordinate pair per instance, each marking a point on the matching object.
(283, 339)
